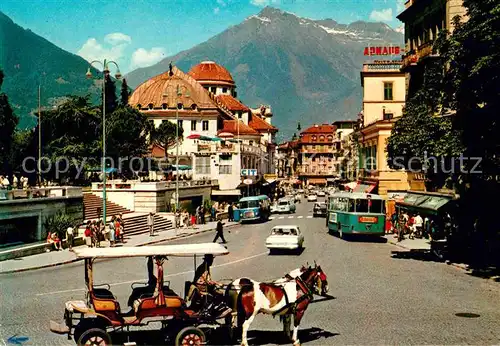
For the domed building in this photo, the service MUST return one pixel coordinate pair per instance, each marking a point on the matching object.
(221, 135)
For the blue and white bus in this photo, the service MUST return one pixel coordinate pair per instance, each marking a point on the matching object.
(254, 208)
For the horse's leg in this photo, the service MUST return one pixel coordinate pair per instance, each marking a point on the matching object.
(287, 323)
(245, 327)
(296, 322)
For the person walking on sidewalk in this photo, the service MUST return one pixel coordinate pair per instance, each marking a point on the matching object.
(69, 237)
(88, 234)
(220, 232)
(112, 231)
(230, 213)
(151, 223)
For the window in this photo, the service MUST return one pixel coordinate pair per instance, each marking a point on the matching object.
(240, 115)
(250, 142)
(204, 125)
(330, 138)
(179, 123)
(202, 165)
(388, 95)
(321, 138)
(388, 116)
(193, 125)
(314, 138)
(225, 169)
(224, 90)
(213, 89)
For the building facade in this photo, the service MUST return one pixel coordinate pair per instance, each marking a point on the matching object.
(221, 135)
(344, 129)
(288, 160)
(383, 101)
(319, 150)
(424, 20)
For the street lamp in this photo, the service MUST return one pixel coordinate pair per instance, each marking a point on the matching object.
(179, 94)
(118, 75)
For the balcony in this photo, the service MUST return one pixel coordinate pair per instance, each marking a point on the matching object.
(227, 148)
(250, 149)
(206, 148)
(413, 57)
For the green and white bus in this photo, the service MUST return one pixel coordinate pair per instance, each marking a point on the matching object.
(356, 213)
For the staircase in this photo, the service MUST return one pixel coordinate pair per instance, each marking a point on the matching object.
(139, 224)
(92, 202)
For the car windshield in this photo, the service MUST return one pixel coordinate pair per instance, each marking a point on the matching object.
(284, 231)
(248, 204)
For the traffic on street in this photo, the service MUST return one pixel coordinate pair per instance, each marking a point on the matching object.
(377, 295)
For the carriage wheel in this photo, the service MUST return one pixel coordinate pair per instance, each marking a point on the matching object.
(190, 336)
(287, 327)
(94, 337)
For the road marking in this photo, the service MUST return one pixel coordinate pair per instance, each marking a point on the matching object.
(168, 275)
(281, 217)
(300, 217)
(291, 217)
(271, 218)
(309, 217)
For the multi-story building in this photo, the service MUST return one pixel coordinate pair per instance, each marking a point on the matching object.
(319, 147)
(424, 20)
(288, 160)
(221, 136)
(344, 128)
(383, 100)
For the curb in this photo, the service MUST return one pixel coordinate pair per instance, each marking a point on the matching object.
(180, 236)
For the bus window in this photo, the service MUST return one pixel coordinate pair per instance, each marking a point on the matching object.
(351, 206)
(377, 206)
(361, 206)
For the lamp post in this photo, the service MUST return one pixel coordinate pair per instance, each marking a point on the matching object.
(39, 136)
(179, 94)
(105, 72)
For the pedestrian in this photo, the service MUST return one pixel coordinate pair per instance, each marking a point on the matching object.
(118, 233)
(69, 237)
(112, 231)
(213, 213)
(122, 228)
(220, 232)
(419, 223)
(230, 212)
(193, 220)
(198, 214)
(151, 223)
(88, 234)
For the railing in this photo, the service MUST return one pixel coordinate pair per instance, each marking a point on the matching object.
(206, 148)
(386, 67)
(152, 186)
(226, 148)
(60, 191)
(249, 149)
(415, 55)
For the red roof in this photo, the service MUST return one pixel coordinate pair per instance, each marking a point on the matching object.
(324, 128)
(231, 103)
(210, 71)
(260, 124)
(231, 126)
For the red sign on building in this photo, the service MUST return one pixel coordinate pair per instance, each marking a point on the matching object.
(382, 51)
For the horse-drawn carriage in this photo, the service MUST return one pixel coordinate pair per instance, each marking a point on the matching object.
(96, 320)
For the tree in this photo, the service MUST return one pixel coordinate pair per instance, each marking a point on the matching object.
(424, 136)
(72, 132)
(58, 224)
(165, 134)
(472, 90)
(298, 127)
(124, 93)
(110, 92)
(126, 133)
(8, 124)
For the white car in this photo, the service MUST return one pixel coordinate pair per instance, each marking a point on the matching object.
(321, 193)
(274, 208)
(285, 237)
(286, 205)
(312, 198)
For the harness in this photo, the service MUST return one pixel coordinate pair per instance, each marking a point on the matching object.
(308, 294)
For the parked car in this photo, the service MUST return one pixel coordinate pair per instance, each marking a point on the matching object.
(312, 197)
(321, 193)
(286, 205)
(319, 209)
(285, 237)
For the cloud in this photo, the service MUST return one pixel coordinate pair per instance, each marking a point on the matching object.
(216, 10)
(117, 38)
(382, 15)
(400, 5)
(143, 58)
(264, 3)
(221, 3)
(114, 50)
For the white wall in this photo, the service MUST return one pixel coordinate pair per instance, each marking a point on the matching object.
(373, 97)
(189, 146)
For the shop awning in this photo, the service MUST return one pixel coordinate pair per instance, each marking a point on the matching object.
(425, 202)
(234, 192)
(317, 181)
(361, 188)
(269, 181)
(352, 185)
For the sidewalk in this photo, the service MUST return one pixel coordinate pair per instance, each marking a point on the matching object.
(56, 258)
(409, 244)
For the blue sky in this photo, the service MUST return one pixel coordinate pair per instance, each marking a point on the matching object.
(138, 33)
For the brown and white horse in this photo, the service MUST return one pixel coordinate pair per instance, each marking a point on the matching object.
(284, 298)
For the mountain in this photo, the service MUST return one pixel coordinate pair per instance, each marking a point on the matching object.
(307, 70)
(27, 60)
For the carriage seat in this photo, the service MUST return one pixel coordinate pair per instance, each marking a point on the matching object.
(147, 292)
(103, 293)
(171, 301)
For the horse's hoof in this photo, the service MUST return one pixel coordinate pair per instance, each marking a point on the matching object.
(296, 343)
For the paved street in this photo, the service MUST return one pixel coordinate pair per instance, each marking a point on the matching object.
(379, 299)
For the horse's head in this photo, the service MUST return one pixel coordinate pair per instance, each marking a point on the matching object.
(316, 279)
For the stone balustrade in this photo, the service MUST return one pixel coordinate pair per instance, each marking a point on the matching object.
(45, 192)
(153, 186)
